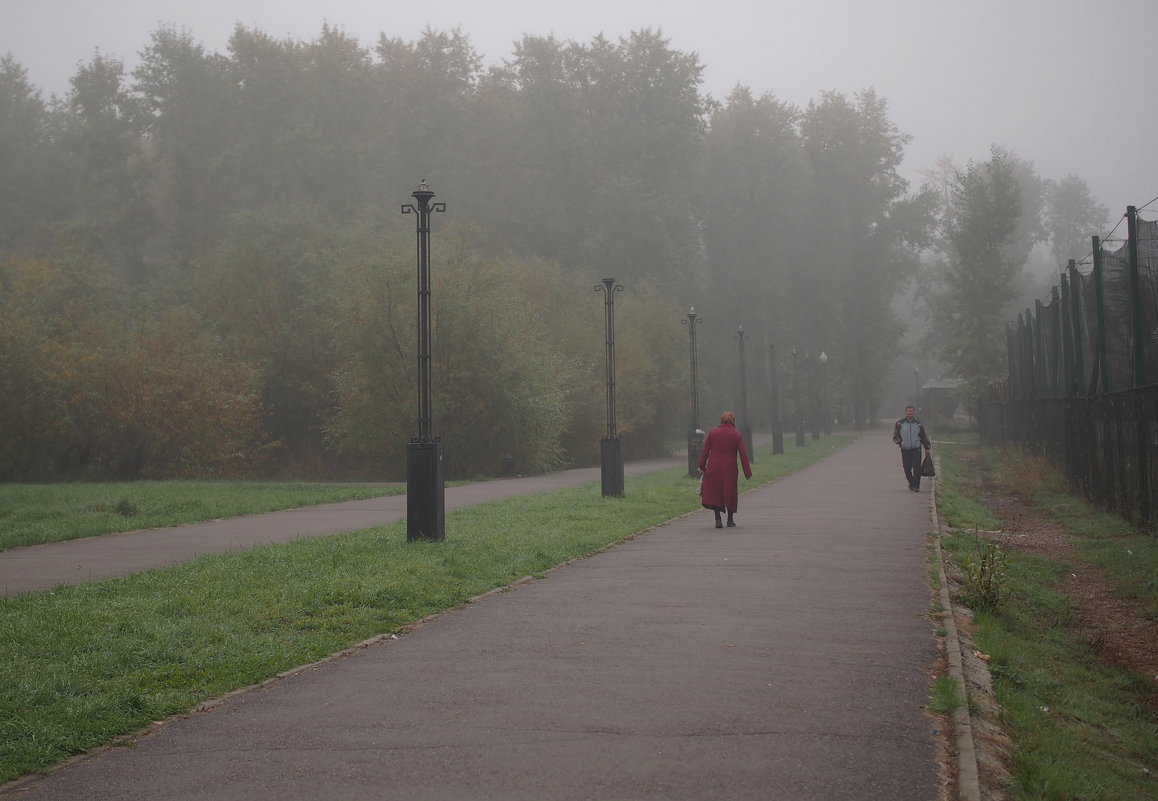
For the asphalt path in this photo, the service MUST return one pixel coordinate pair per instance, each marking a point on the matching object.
(787, 658)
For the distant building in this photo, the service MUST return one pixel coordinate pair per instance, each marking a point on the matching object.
(941, 401)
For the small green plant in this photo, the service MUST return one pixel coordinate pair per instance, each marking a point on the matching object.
(944, 696)
(985, 577)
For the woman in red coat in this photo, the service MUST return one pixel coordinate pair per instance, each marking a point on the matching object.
(718, 488)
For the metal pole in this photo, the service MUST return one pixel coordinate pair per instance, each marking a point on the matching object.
(825, 412)
(1141, 418)
(745, 424)
(813, 414)
(1041, 351)
(1135, 297)
(1032, 358)
(1076, 330)
(611, 446)
(609, 289)
(695, 438)
(1011, 361)
(1067, 335)
(425, 485)
(1024, 382)
(796, 392)
(1057, 358)
(777, 424)
(1099, 293)
(422, 197)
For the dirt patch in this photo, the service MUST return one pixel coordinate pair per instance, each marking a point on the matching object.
(1118, 629)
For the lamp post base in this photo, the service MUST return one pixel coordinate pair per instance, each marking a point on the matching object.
(611, 466)
(425, 492)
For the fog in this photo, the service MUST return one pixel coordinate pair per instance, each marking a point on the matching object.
(1064, 84)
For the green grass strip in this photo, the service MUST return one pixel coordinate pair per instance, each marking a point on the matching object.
(1081, 729)
(31, 514)
(81, 665)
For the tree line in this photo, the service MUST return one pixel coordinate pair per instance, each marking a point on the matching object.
(205, 272)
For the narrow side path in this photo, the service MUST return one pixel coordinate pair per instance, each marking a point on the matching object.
(787, 658)
(42, 567)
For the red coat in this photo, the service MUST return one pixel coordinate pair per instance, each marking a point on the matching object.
(718, 461)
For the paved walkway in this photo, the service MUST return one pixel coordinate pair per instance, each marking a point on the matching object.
(783, 659)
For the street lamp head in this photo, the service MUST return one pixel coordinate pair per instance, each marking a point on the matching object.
(823, 357)
(422, 194)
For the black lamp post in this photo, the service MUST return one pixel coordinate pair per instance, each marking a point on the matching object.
(745, 424)
(813, 412)
(824, 410)
(425, 485)
(695, 435)
(611, 446)
(777, 424)
(796, 390)
(917, 386)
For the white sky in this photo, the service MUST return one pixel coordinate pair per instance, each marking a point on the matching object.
(1065, 84)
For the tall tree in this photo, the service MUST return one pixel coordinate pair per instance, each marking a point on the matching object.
(754, 176)
(34, 174)
(608, 135)
(863, 235)
(101, 133)
(1072, 217)
(974, 287)
(184, 99)
(425, 92)
(648, 126)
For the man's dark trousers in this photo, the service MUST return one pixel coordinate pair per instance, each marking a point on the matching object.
(911, 459)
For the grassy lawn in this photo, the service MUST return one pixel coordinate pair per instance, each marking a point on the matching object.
(31, 514)
(1081, 728)
(80, 665)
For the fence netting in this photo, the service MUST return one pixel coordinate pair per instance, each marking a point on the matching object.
(1083, 375)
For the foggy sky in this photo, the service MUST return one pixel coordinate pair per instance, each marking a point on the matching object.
(1065, 84)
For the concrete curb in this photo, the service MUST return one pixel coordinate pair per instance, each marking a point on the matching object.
(968, 780)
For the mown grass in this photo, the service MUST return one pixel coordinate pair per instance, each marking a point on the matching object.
(31, 514)
(1082, 729)
(80, 665)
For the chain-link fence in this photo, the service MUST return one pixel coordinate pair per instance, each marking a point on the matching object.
(1082, 373)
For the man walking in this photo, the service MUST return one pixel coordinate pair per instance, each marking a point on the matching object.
(909, 434)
